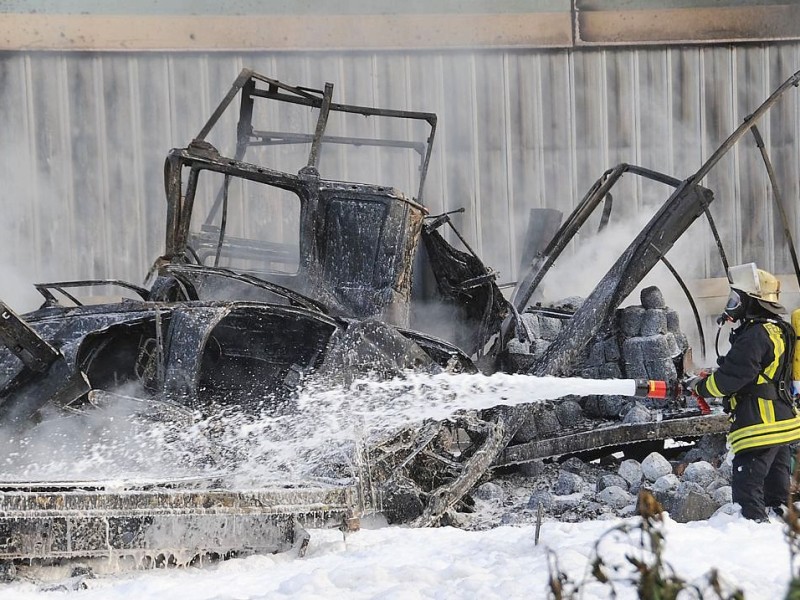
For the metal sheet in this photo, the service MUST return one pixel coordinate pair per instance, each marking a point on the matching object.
(612, 22)
(382, 24)
(305, 31)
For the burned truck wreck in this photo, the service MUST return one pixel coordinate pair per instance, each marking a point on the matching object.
(272, 279)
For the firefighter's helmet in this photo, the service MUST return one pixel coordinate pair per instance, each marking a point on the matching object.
(756, 283)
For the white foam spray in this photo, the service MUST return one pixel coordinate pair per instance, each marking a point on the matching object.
(128, 442)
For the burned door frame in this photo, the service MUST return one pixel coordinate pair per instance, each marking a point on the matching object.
(386, 274)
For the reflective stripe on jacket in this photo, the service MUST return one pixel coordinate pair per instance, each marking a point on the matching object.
(759, 418)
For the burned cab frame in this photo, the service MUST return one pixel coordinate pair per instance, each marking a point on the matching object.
(317, 281)
(352, 247)
(250, 252)
(364, 276)
(347, 245)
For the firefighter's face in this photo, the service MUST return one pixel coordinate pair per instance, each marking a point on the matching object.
(735, 308)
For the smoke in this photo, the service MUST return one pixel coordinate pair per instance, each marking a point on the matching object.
(577, 273)
(119, 438)
(591, 255)
(20, 263)
(16, 288)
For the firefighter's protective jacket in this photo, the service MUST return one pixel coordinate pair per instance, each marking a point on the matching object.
(747, 377)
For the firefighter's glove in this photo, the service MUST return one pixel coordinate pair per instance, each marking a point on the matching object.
(691, 383)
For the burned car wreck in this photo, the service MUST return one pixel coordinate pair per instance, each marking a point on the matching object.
(271, 279)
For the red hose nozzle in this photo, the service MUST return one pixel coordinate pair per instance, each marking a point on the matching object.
(651, 388)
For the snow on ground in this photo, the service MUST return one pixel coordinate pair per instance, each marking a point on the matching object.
(405, 563)
(504, 562)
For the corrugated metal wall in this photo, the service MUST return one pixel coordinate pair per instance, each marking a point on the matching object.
(83, 137)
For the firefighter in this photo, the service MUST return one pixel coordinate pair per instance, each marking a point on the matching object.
(754, 380)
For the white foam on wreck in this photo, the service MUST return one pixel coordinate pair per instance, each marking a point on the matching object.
(325, 426)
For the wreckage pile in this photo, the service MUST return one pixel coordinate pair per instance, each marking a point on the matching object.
(643, 344)
(691, 486)
(644, 341)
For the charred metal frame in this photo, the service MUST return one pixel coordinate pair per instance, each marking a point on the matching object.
(313, 191)
(247, 81)
(599, 192)
(291, 296)
(46, 289)
(96, 523)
